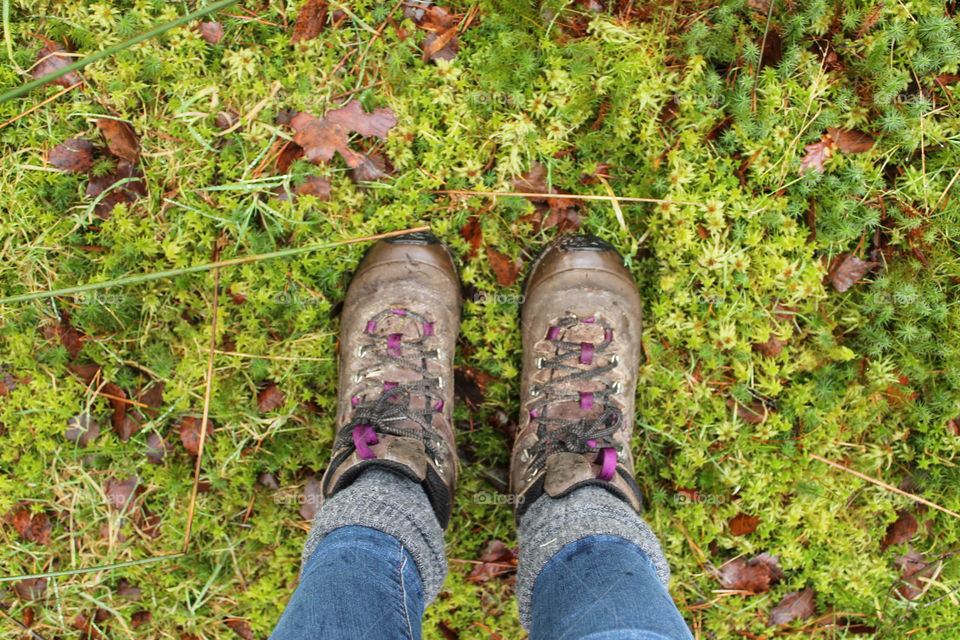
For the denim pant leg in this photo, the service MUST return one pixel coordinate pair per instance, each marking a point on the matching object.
(603, 588)
(359, 583)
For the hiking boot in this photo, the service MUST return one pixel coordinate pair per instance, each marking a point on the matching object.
(581, 324)
(398, 333)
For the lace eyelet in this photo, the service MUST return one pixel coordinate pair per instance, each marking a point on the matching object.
(532, 475)
(525, 455)
(617, 387)
(539, 363)
(360, 350)
(535, 391)
(615, 360)
(357, 378)
(440, 382)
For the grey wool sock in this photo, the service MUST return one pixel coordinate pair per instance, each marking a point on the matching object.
(550, 524)
(394, 504)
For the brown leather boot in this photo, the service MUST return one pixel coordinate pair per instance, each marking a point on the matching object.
(581, 324)
(398, 333)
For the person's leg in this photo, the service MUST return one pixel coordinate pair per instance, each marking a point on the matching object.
(359, 583)
(590, 567)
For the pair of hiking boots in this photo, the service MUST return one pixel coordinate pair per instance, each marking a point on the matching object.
(581, 325)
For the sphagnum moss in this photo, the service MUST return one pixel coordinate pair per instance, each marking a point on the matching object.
(672, 101)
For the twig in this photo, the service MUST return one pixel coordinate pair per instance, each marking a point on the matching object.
(756, 72)
(253, 355)
(105, 567)
(171, 273)
(206, 404)
(570, 196)
(616, 205)
(883, 484)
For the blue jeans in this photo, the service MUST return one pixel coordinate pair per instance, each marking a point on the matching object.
(361, 584)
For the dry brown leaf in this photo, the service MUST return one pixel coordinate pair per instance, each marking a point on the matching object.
(818, 153)
(310, 21)
(796, 605)
(121, 139)
(66, 335)
(140, 618)
(771, 348)
(374, 168)
(753, 413)
(496, 559)
(441, 41)
(505, 269)
(269, 398)
(313, 186)
(82, 429)
(900, 530)
(320, 139)
(51, 59)
(240, 627)
(473, 234)
(119, 492)
(850, 141)
(470, 385)
(212, 32)
(353, 118)
(31, 588)
(754, 575)
(190, 434)
(73, 155)
(915, 568)
(129, 191)
(743, 524)
(156, 448)
(846, 269)
(312, 498)
(34, 527)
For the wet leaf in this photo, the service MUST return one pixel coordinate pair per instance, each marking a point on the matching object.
(31, 588)
(505, 269)
(497, 559)
(310, 21)
(140, 618)
(753, 413)
(320, 139)
(127, 590)
(269, 398)
(900, 530)
(212, 32)
(73, 155)
(119, 492)
(50, 59)
(190, 434)
(121, 139)
(312, 498)
(441, 41)
(133, 187)
(850, 141)
(374, 168)
(156, 448)
(240, 627)
(796, 605)
(914, 567)
(32, 527)
(743, 524)
(771, 348)
(473, 234)
(82, 429)
(268, 480)
(70, 338)
(470, 385)
(226, 119)
(353, 118)
(846, 269)
(754, 575)
(817, 154)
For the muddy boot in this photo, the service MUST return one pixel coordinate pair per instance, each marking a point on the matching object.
(581, 327)
(398, 333)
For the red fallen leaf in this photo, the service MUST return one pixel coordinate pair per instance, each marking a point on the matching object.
(156, 448)
(473, 234)
(119, 492)
(86, 372)
(129, 191)
(70, 338)
(753, 413)
(312, 498)
(850, 141)
(51, 59)
(496, 559)
(535, 181)
(30, 588)
(73, 155)
(505, 269)
(190, 434)
(743, 524)
(846, 269)
(269, 398)
(310, 21)
(566, 220)
(140, 618)
(124, 424)
(441, 41)
(470, 385)
(914, 566)
(32, 527)
(771, 348)
(240, 627)
(900, 530)
(352, 118)
(152, 396)
(87, 630)
(374, 168)
(82, 429)
(796, 605)
(121, 139)
(754, 575)
(212, 32)
(817, 154)
(320, 139)
(290, 152)
(313, 186)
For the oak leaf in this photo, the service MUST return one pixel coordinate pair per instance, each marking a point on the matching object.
(817, 154)
(34, 527)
